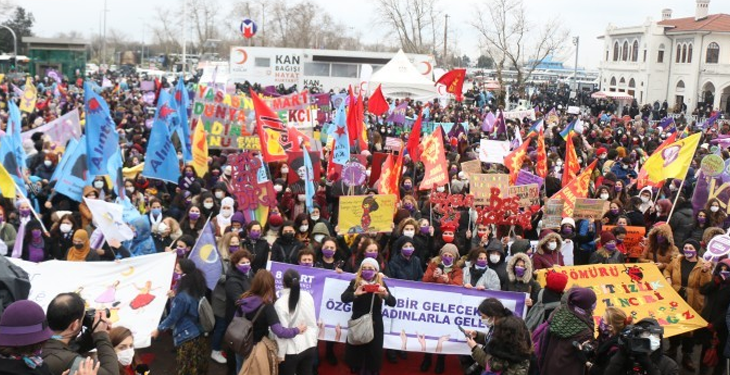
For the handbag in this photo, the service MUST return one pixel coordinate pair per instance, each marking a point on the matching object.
(239, 334)
(360, 330)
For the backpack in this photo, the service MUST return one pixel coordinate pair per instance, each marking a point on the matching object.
(14, 283)
(540, 334)
(239, 334)
(536, 315)
(205, 315)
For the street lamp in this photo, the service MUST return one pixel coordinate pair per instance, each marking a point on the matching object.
(576, 42)
(15, 42)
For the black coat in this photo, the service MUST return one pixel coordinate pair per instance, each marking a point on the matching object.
(287, 252)
(236, 284)
(18, 367)
(368, 356)
(260, 251)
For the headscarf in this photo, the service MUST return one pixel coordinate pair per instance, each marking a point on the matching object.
(224, 222)
(142, 243)
(79, 255)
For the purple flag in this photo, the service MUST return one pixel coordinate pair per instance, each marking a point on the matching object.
(398, 116)
(711, 121)
(488, 123)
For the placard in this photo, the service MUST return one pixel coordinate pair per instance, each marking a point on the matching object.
(471, 167)
(366, 213)
(481, 184)
(525, 178)
(529, 194)
(553, 214)
(590, 208)
(393, 144)
(493, 151)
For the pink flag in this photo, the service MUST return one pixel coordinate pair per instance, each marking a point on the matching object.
(488, 123)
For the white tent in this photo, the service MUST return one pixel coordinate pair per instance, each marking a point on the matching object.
(400, 79)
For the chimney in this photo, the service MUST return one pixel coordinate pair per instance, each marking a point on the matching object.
(702, 9)
(666, 14)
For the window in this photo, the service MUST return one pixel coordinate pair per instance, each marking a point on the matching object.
(684, 53)
(622, 82)
(625, 52)
(689, 53)
(606, 55)
(613, 81)
(644, 55)
(317, 69)
(680, 86)
(678, 58)
(344, 70)
(615, 51)
(632, 83)
(713, 53)
(262, 62)
(635, 51)
(660, 54)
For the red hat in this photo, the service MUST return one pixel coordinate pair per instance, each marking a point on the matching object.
(607, 237)
(556, 281)
(601, 150)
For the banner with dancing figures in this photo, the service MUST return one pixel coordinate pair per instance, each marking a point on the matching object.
(426, 317)
(639, 289)
(133, 289)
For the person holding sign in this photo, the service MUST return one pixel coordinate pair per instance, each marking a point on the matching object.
(660, 249)
(608, 253)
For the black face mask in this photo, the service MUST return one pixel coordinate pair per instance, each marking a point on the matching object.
(287, 236)
(79, 246)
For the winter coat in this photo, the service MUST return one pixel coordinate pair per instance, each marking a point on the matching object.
(651, 253)
(500, 267)
(524, 284)
(405, 269)
(547, 259)
(488, 279)
(558, 355)
(260, 250)
(661, 364)
(697, 278)
(285, 251)
(682, 222)
(236, 284)
(183, 319)
(456, 276)
(603, 256)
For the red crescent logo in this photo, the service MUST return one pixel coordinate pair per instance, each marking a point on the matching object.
(244, 56)
(441, 89)
(363, 84)
(429, 68)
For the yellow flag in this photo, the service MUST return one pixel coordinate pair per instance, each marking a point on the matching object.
(27, 102)
(200, 150)
(7, 186)
(674, 160)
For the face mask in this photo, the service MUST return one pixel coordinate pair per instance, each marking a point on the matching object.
(79, 246)
(226, 212)
(618, 188)
(65, 228)
(220, 195)
(254, 235)
(724, 274)
(644, 199)
(48, 163)
(481, 263)
(189, 174)
(494, 258)
(233, 248)
(487, 322)
(25, 212)
(409, 233)
(98, 184)
(654, 343)
(407, 187)
(614, 211)
(660, 238)
(319, 237)
(303, 228)
(156, 211)
(315, 217)
(715, 208)
(301, 197)
(126, 356)
(447, 261)
(425, 230)
(602, 156)
(567, 230)
(690, 254)
(604, 197)
(610, 246)
(440, 189)
(328, 253)
(604, 328)
(284, 170)
(367, 274)
(408, 206)
(367, 172)
(701, 220)
(288, 236)
(625, 167)
(194, 215)
(208, 205)
(307, 264)
(181, 251)
(448, 238)
(36, 233)
(176, 277)
(552, 245)
(162, 227)
(371, 255)
(278, 188)
(243, 268)
(519, 271)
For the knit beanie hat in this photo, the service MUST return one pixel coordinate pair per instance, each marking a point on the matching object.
(451, 249)
(582, 298)
(556, 281)
(606, 237)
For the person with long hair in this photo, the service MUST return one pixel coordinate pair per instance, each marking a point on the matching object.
(256, 244)
(193, 221)
(613, 321)
(509, 349)
(367, 358)
(286, 247)
(491, 313)
(660, 248)
(191, 345)
(35, 247)
(229, 243)
(123, 343)
(61, 236)
(296, 307)
(257, 305)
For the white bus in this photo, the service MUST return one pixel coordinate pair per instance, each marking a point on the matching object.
(325, 69)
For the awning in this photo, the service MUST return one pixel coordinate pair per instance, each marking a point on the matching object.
(611, 95)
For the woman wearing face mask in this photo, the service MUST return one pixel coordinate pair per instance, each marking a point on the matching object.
(408, 228)
(644, 363)
(406, 186)
(35, 247)
(208, 206)
(296, 307)
(7, 232)
(188, 177)
(492, 313)
(183, 245)
(367, 248)
(658, 213)
(227, 245)
(613, 321)
(367, 358)
(193, 221)
(45, 170)
(222, 221)
(717, 216)
(238, 281)
(621, 192)
(319, 233)
(409, 204)
(717, 300)
(660, 248)
(687, 273)
(100, 185)
(604, 193)
(519, 271)
(80, 250)
(608, 252)
(303, 229)
(255, 244)
(615, 209)
(168, 231)
(699, 224)
(155, 214)
(477, 273)
(548, 253)
(634, 213)
(286, 247)
(273, 226)
(61, 236)
(123, 343)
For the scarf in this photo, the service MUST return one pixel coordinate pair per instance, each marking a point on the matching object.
(565, 324)
(154, 222)
(79, 255)
(32, 361)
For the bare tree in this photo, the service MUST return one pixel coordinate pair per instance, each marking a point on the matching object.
(415, 22)
(510, 39)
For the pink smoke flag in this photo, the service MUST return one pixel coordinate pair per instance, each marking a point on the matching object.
(488, 123)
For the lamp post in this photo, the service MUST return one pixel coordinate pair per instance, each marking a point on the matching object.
(15, 42)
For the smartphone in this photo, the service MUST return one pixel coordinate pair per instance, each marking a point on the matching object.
(463, 331)
(371, 288)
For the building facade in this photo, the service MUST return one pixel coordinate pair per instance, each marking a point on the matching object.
(68, 56)
(685, 61)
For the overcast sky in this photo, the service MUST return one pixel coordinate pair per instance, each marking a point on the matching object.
(587, 19)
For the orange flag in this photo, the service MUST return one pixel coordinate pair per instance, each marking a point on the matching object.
(541, 167)
(414, 139)
(643, 179)
(434, 161)
(385, 185)
(571, 161)
(361, 135)
(514, 160)
(377, 104)
(577, 188)
(272, 132)
(454, 82)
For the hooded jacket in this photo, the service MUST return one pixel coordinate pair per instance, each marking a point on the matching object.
(500, 267)
(84, 209)
(524, 284)
(142, 243)
(456, 276)
(645, 206)
(682, 222)
(404, 269)
(488, 279)
(652, 254)
(697, 278)
(547, 259)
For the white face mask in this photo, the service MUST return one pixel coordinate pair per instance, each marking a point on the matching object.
(658, 209)
(126, 356)
(714, 208)
(319, 237)
(409, 233)
(162, 227)
(277, 188)
(301, 197)
(604, 197)
(65, 228)
(303, 228)
(654, 343)
(220, 195)
(494, 258)
(226, 212)
(315, 217)
(208, 205)
(487, 322)
(284, 170)
(644, 199)
(47, 163)
(367, 172)
(98, 184)
(552, 245)
(440, 189)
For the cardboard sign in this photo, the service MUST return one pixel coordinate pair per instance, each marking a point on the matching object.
(366, 214)
(590, 208)
(481, 184)
(634, 236)
(393, 144)
(529, 194)
(553, 214)
(471, 167)
(493, 151)
(718, 246)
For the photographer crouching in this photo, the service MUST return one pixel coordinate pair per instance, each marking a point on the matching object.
(641, 351)
(76, 331)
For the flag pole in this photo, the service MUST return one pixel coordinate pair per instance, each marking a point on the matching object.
(679, 192)
(35, 214)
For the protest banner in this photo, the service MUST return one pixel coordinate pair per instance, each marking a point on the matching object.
(493, 151)
(59, 130)
(640, 290)
(226, 118)
(634, 236)
(393, 144)
(147, 86)
(481, 184)
(297, 171)
(519, 115)
(294, 101)
(712, 165)
(366, 214)
(471, 167)
(425, 318)
(590, 208)
(529, 195)
(133, 289)
(526, 178)
(553, 213)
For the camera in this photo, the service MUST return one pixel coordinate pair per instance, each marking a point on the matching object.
(631, 339)
(89, 314)
(587, 349)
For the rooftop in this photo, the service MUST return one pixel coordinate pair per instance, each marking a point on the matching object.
(714, 22)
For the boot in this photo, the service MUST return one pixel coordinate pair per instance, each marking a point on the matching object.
(426, 364)
(687, 362)
(440, 359)
(391, 356)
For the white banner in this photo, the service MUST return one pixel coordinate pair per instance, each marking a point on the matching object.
(133, 289)
(59, 130)
(493, 151)
(519, 115)
(109, 218)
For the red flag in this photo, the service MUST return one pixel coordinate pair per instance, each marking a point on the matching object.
(514, 160)
(352, 118)
(385, 185)
(434, 161)
(296, 138)
(271, 130)
(643, 179)
(454, 82)
(414, 139)
(541, 167)
(578, 188)
(377, 104)
(360, 135)
(571, 166)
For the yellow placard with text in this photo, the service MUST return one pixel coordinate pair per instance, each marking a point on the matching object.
(640, 290)
(366, 213)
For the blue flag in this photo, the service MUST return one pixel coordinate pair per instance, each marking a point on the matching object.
(666, 122)
(161, 159)
(341, 153)
(72, 172)
(12, 154)
(308, 180)
(206, 258)
(13, 130)
(182, 102)
(102, 140)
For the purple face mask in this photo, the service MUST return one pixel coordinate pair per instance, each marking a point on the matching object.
(25, 212)
(407, 251)
(368, 274)
(615, 211)
(233, 248)
(194, 216)
(254, 235)
(661, 239)
(328, 253)
(425, 230)
(181, 251)
(481, 263)
(243, 268)
(371, 255)
(36, 233)
(519, 271)
(447, 261)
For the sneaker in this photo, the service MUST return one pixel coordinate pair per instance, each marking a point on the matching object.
(217, 356)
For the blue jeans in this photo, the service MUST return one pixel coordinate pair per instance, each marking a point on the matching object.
(219, 330)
